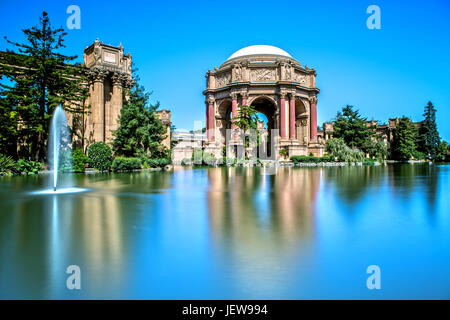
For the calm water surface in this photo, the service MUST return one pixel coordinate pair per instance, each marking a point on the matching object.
(230, 233)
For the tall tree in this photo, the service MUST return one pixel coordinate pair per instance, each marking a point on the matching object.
(40, 78)
(404, 144)
(247, 118)
(351, 127)
(140, 131)
(428, 134)
(354, 130)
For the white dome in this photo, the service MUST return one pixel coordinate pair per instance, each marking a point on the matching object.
(258, 50)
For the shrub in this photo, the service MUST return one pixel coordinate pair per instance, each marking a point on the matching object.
(228, 161)
(283, 152)
(186, 162)
(79, 160)
(368, 161)
(28, 167)
(209, 158)
(337, 148)
(126, 164)
(418, 155)
(311, 159)
(7, 164)
(199, 157)
(155, 162)
(100, 156)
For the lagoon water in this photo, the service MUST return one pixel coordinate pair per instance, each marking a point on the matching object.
(230, 233)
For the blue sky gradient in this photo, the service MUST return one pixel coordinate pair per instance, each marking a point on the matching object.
(385, 73)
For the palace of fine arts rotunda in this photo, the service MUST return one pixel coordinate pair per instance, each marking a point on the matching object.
(276, 85)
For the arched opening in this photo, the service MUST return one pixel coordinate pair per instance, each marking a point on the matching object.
(224, 119)
(266, 122)
(301, 122)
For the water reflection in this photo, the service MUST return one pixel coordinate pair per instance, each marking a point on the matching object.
(262, 224)
(229, 233)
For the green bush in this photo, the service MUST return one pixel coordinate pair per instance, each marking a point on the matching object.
(199, 158)
(126, 164)
(337, 148)
(209, 158)
(311, 159)
(27, 166)
(79, 160)
(155, 162)
(418, 155)
(7, 164)
(100, 156)
(229, 161)
(368, 161)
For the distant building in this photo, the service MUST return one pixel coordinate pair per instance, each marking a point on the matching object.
(185, 144)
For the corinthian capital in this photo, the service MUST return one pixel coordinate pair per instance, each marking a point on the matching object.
(118, 78)
(97, 74)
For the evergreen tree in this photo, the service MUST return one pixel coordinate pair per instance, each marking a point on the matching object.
(353, 129)
(428, 134)
(39, 78)
(404, 144)
(140, 132)
(8, 127)
(247, 118)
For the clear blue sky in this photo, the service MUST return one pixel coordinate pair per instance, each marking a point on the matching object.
(385, 73)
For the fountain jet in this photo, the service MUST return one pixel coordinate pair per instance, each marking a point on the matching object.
(59, 146)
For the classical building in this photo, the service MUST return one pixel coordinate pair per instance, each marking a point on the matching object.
(275, 84)
(165, 117)
(109, 73)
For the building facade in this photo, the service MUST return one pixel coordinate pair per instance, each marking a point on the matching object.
(276, 85)
(110, 74)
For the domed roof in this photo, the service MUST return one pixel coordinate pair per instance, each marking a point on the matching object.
(259, 50)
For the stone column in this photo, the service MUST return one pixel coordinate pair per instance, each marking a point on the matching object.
(313, 120)
(211, 121)
(234, 105)
(98, 107)
(292, 117)
(244, 98)
(116, 103)
(283, 116)
(207, 119)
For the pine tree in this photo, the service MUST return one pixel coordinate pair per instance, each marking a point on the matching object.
(351, 127)
(140, 132)
(428, 139)
(404, 145)
(40, 78)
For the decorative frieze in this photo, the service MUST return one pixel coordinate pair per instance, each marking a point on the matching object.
(263, 74)
(223, 79)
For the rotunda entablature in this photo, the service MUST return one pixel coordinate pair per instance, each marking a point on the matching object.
(260, 68)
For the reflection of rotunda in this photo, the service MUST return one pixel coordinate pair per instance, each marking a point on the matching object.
(276, 85)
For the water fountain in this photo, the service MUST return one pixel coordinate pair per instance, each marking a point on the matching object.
(60, 156)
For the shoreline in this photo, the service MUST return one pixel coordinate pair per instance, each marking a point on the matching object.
(244, 164)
